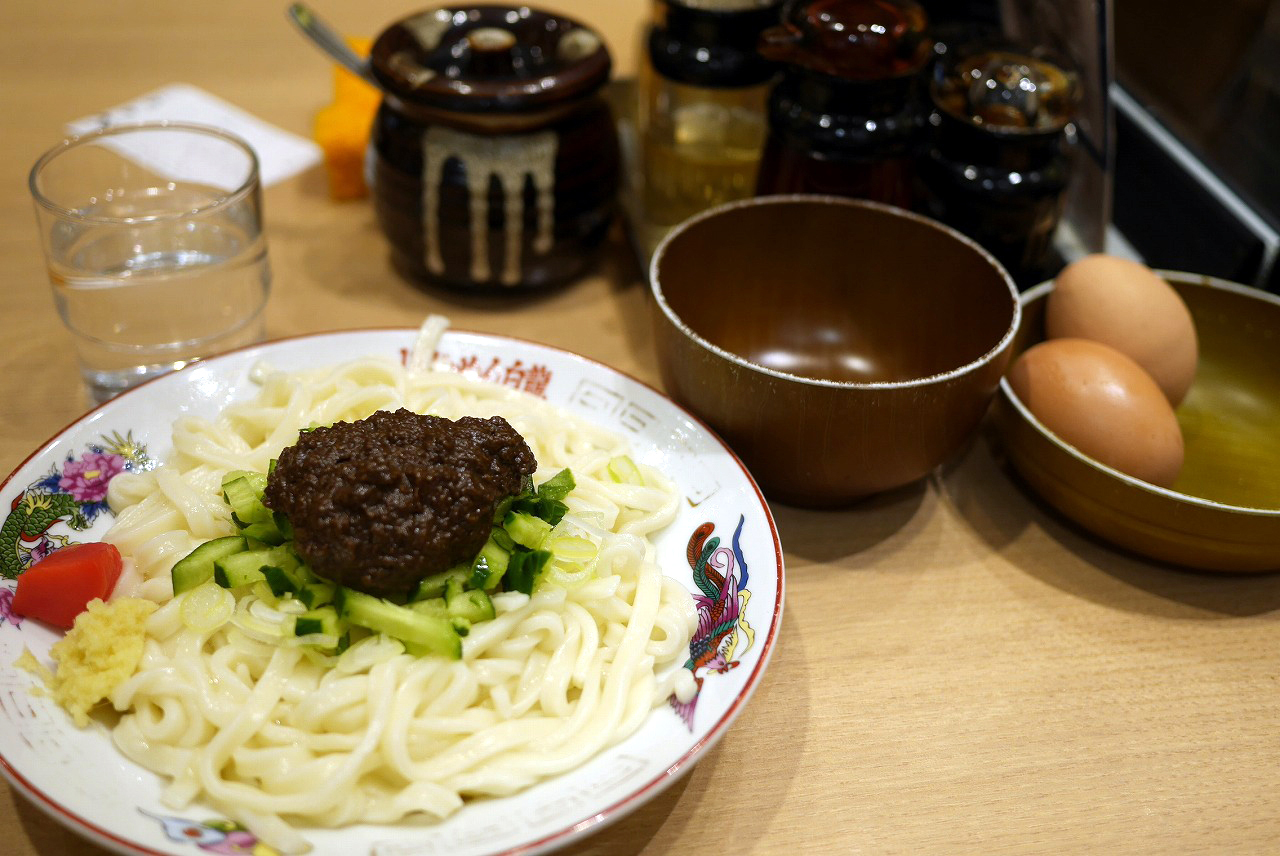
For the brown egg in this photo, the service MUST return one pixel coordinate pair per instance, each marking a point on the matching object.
(1124, 304)
(1103, 403)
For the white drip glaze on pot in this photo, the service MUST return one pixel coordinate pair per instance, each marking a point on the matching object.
(577, 44)
(429, 28)
(510, 160)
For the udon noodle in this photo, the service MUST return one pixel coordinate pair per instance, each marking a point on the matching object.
(276, 736)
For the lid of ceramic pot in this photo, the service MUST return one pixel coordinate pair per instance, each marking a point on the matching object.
(504, 58)
(852, 39)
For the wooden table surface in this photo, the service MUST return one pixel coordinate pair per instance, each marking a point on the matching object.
(958, 669)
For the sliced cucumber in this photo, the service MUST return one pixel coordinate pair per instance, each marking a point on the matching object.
(323, 619)
(420, 633)
(433, 586)
(243, 569)
(491, 564)
(197, 566)
(267, 532)
(279, 567)
(549, 510)
(316, 593)
(283, 573)
(524, 569)
(503, 506)
(525, 529)
(500, 537)
(242, 491)
(431, 606)
(552, 510)
(472, 604)
(233, 475)
(558, 486)
(282, 523)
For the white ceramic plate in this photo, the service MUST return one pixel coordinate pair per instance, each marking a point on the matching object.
(55, 497)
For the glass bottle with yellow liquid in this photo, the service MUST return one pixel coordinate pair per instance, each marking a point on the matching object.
(704, 90)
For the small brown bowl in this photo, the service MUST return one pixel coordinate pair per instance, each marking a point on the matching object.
(1223, 511)
(840, 347)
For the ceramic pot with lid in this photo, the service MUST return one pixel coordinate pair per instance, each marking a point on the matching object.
(494, 160)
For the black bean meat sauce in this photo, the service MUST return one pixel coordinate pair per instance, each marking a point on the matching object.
(378, 504)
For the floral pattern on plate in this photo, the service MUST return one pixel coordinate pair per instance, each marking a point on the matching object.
(72, 492)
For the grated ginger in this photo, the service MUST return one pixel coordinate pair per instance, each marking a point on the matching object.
(96, 656)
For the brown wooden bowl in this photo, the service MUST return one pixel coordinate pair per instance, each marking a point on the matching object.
(1223, 511)
(840, 347)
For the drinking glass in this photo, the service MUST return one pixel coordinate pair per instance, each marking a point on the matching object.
(153, 239)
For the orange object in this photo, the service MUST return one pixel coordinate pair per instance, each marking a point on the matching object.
(342, 129)
(350, 89)
(59, 587)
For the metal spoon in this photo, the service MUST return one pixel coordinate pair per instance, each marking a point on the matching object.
(325, 38)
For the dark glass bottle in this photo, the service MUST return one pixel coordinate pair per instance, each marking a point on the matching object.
(997, 165)
(847, 114)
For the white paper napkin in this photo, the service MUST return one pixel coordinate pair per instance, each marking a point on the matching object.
(280, 153)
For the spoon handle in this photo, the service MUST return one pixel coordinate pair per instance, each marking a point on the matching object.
(325, 38)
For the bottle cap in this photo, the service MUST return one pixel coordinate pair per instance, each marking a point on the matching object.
(1007, 89)
(713, 44)
(853, 39)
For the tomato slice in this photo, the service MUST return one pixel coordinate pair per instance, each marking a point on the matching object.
(58, 587)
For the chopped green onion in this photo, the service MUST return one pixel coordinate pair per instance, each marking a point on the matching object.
(624, 471)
